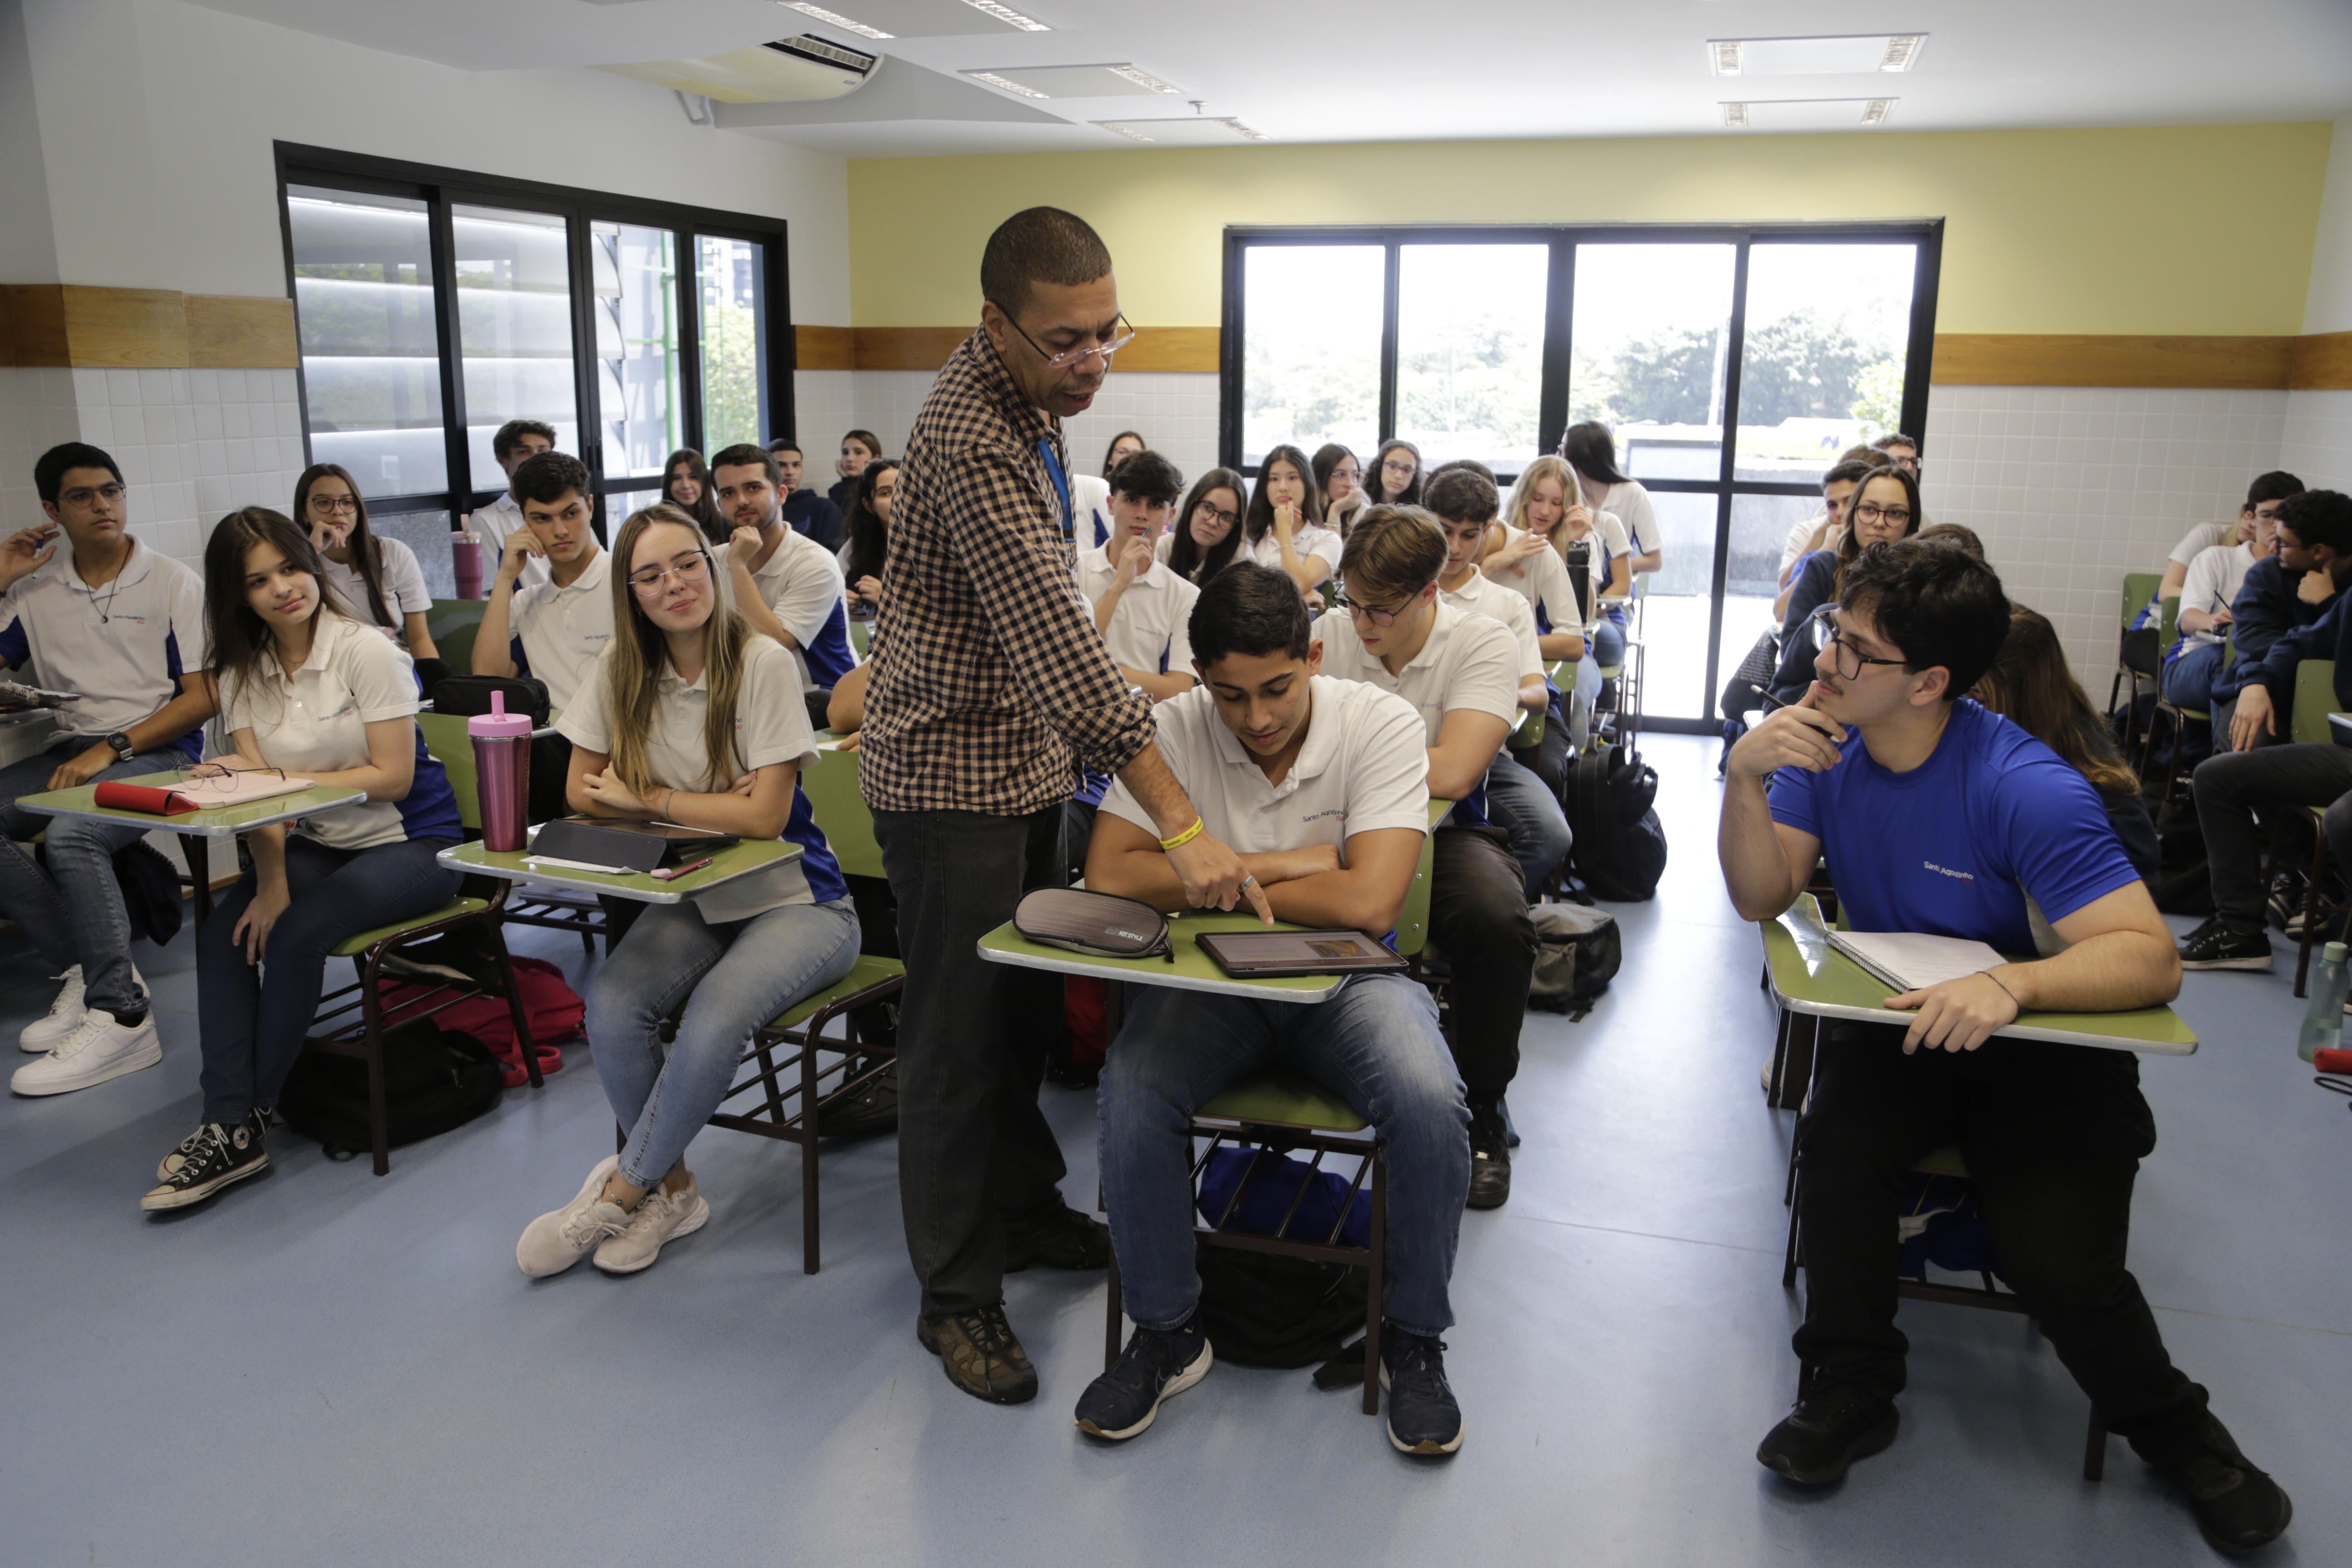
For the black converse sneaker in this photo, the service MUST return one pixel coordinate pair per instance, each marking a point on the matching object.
(2215, 946)
(207, 1161)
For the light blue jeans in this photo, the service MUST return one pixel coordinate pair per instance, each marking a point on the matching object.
(733, 976)
(1376, 1044)
(1523, 806)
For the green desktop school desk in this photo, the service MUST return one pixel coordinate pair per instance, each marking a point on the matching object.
(213, 822)
(728, 865)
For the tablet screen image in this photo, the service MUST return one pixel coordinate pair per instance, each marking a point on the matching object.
(1275, 955)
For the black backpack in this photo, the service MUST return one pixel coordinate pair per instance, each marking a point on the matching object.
(1264, 1310)
(1578, 953)
(470, 695)
(1620, 847)
(434, 1079)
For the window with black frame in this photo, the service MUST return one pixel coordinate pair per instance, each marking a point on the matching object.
(1731, 366)
(432, 306)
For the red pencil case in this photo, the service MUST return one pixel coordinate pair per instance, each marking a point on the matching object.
(116, 795)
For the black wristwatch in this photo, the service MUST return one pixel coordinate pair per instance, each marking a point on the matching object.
(124, 750)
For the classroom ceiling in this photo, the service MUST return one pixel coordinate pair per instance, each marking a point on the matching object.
(1381, 70)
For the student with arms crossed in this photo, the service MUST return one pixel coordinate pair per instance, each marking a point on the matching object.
(690, 717)
(379, 580)
(314, 692)
(97, 613)
(1461, 673)
(1321, 786)
(786, 584)
(805, 511)
(1937, 816)
(515, 440)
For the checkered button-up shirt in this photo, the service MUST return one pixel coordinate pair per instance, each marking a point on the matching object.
(988, 672)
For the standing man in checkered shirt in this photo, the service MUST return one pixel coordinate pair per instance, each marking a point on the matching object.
(989, 685)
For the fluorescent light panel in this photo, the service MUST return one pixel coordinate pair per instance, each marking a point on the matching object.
(1144, 79)
(1105, 80)
(993, 80)
(1008, 15)
(1184, 130)
(833, 18)
(1848, 55)
(1806, 113)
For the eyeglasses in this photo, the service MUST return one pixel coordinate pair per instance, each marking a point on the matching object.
(83, 495)
(687, 569)
(1108, 347)
(1399, 466)
(218, 776)
(1848, 659)
(1380, 616)
(1871, 512)
(1210, 508)
(335, 503)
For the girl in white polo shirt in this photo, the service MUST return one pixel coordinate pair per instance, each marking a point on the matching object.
(1545, 520)
(690, 718)
(1284, 526)
(378, 580)
(310, 690)
(1207, 536)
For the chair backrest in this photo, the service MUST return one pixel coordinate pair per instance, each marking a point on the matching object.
(453, 623)
(842, 816)
(446, 739)
(2139, 591)
(2315, 700)
(861, 637)
(2170, 621)
(1412, 920)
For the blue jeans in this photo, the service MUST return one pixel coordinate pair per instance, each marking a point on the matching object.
(253, 1022)
(73, 912)
(733, 976)
(1608, 636)
(1523, 806)
(1376, 1044)
(2189, 682)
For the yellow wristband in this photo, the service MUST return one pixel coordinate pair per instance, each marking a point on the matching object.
(1184, 837)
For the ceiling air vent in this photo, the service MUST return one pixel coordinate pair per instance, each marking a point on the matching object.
(790, 70)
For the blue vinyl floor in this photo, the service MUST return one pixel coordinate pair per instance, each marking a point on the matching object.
(325, 1367)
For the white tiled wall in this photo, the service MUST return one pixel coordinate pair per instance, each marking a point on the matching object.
(2318, 445)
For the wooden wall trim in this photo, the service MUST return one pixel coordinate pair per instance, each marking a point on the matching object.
(2321, 361)
(73, 326)
(2112, 359)
(232, 331)
(823, 348)
(928, 347)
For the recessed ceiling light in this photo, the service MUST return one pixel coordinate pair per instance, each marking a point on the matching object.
(1735, 113)
(1841, 56)
(1141, 78)
(1129, 132)
(1900, 50)
(993, 80)
(1722, 54)
(1008, 15)
(1875, 111)
(1251, 131)
(1806, 113)
(1184, 130)
(833, 18)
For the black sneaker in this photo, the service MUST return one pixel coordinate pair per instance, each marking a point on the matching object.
(2215, 946)
(1424, 1417)
(869, 1109)
(207, 1161)
(1490, 1158)
(1063, 1239)
(2285, 901)
(1157, 1365)
(2238, 1508)
(1830, 1429)
(981, 1354)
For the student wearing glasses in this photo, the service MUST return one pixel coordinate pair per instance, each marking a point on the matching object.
(98, 614)
(1207, 536)
(1939, 816)
(1284, 527)
(1884, 507)
(1461, 673)
(786, 585)
(378, 580)
(690, 717)
(310, 690)
(1396, 474)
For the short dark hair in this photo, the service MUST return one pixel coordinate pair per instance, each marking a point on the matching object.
(1460, 494)
(1897, 439)
(512, 433)
(1952, 536)
(743, 455)
(1147, 476)
(2319, 517)
(49, 468)
(775, 444)
(1936, 604)
(2276, 485)
(872, 442)
(544, 477)
(1042, 244)
(1853, 471)
(1472, 464)
(1248, 609)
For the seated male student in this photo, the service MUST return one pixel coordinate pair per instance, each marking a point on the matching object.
(1522, 805)
(515, 443)
(107, 617)
(1139, 608)
(1461, 672)
(787, 584)
(807, 513)
(1320, 786)
(2278, 594)
(2235, 783)
(1939, 816)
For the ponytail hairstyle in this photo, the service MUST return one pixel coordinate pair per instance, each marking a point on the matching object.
(1259, 520)
(1185, 557)
(241, 641)
(367, 555)
(1591, 451)
(638, 652)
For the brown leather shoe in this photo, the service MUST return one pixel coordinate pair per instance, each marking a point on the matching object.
(980, 1353)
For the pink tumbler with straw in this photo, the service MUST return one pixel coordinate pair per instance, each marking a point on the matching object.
(501, 773)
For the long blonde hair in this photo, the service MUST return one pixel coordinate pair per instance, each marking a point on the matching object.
(633, 669)
(1557, 470)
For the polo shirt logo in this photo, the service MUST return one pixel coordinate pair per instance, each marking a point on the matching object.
(1947, 871)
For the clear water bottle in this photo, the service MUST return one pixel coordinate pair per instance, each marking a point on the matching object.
(2323, 1020)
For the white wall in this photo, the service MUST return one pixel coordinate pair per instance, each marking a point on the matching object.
(2318, 444)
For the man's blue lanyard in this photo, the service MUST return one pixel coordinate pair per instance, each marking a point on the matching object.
(1061, 484)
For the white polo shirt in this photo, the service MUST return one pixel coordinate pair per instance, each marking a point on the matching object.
(1362, 767)
(316, 720)
(398, 573)
(563, 630)
(1544, 583)
(1629, 502)
(1481, 595)
(1308, 539)
(122, 645)
(802, 582)
(1468, 661)
(1089, 510)
(1147, 631)
(1799, 534)
(772, 728)
(491, 524)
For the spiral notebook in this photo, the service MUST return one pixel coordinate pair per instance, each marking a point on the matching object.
(1912, 960)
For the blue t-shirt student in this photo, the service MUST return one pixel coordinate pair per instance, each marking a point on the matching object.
(1955, 847)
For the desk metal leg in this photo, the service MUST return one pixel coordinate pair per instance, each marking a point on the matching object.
(198, 854)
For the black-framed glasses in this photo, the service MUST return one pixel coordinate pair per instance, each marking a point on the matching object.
(1108, 347)
(1871, 512)
(83, 495)
(1228, 518)
(1848, 659)
(1379, 615)
(335, 503)
(690, 568)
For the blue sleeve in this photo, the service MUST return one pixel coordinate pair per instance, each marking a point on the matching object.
(1794, 801)
(2256, 620)
(1810, 592)
(514, 652)
(2294, 646)
(2060, 845)
(14, 646)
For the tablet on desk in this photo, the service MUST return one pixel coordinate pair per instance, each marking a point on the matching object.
(626, 845)
(1278, 954)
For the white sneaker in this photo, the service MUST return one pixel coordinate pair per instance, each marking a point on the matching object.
(98, 1049)
(660, 1216)
(65, 1013)
(555, 1241)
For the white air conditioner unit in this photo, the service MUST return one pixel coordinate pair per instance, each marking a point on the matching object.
(790, 70)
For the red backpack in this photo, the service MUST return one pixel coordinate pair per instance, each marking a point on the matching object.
(553, 1009)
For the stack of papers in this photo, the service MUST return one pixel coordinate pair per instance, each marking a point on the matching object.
(1910, 960)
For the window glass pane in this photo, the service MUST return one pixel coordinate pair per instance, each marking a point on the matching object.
(1675, 604)
(1761, 526)
(734, 340)
(1470, 322)
(371, 360)
(636, 345)
(514, 326)
(1822, 368)
(427, 533)
(1653, 325)
(1311, 359)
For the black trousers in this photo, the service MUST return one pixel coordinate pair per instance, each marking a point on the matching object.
(1548, 758)
(974, 1150)
(1478, 916)
(2053, 1136)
